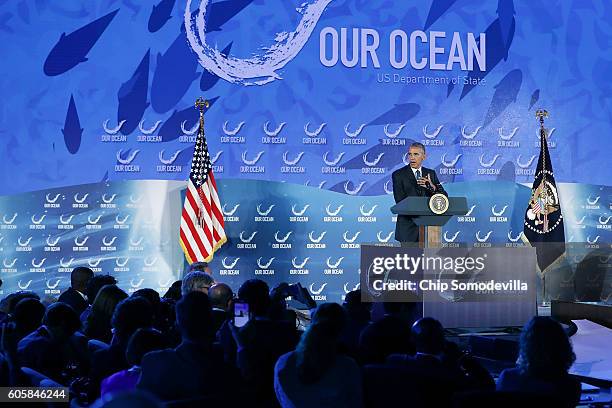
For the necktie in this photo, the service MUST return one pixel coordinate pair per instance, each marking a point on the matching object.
(417, 175)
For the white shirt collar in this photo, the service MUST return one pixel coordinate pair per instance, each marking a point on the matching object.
(82, 294)
(415, 170)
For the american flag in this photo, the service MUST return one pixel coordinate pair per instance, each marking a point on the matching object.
(202, 228)
(536, 206)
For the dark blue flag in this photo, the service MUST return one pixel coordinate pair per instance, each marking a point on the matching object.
(543, 218)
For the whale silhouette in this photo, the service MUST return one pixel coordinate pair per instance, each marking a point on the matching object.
(72, 49)
(160, 14)
(72, 130)
(132, 97)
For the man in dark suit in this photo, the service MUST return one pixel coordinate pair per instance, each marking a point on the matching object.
(193, 369)
(75, 294)
(55, 349)
(413, 180)
(441, 361)
(389, 335)
(220, 296)
(130, 315)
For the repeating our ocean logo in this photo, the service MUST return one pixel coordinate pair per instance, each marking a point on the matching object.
(264, 266)
(367, 213)
(250, 164)
(449, 165)
(291, 163)
(298, 213)
(52, 200)
(264, 213)
(281, 240)
(246, 240)
(317, 291)
(333, 266)
(229, 266)
(333, 213)
(431, 136)
(37, 221)
(229, 214)
(299, 266)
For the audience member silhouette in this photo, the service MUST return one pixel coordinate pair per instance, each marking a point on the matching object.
(7, 305)
(155, 301)
(545, 356)
(76, 294)
(261, 341)
(174, 291)
(53, 349)
(357, 318)
(389, 335)
(98, 324)
(28, 316)
(93, 287)
(143, 341)
(130, 315)
(221, 296)
(192, 369)
(196, 281)
(438, 366)
(262, 360)
(315, 374)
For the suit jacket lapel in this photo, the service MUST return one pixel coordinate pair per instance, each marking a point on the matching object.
(411, 177)
(417, 189)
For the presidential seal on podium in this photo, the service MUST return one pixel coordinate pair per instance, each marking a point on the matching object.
(438, 203)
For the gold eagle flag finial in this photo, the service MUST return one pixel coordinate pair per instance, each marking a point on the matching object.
(202, 104)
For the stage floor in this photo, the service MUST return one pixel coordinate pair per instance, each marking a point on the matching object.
(593, 347)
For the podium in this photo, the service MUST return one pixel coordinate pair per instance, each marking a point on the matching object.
(430, 224)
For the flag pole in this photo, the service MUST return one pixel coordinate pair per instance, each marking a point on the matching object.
(202, 104)
(541, 114)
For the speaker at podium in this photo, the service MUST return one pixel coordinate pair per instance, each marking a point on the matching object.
(430, 214)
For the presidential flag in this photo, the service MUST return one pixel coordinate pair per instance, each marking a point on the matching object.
(543, 226)
(202, 227)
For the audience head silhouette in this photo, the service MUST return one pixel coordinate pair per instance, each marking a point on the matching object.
(130, 315)
(545, 349)
(61, 320)
(28, 315)
(196, 281)
(8, 303)
(96, 283)
(80, 277)
(174, 291)
(98, 324)
(355, 308)
(193, 317)
(220, 295)
(317, 348)
(256, 293)
(143, 341)
(428, 336)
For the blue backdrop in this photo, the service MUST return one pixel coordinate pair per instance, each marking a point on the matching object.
(326, 93)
